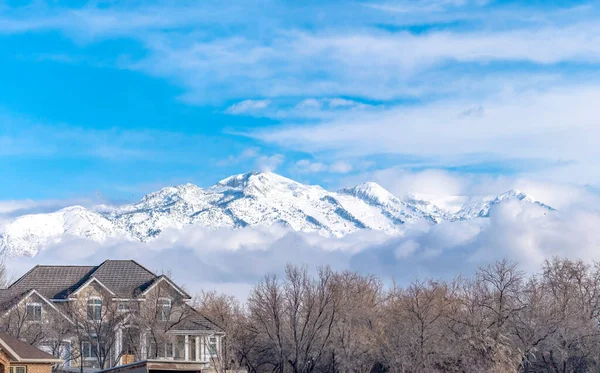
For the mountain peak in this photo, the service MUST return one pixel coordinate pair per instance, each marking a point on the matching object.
(370, 191)
(261, 180)
(482, 207)
(251, 199)
(235, 181)
(172, 193)
(512, 193)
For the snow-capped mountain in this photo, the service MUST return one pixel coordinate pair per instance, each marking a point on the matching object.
(480, 208)
(26, 234)
(251, 199)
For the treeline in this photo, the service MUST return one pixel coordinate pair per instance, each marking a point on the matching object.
(499, 320)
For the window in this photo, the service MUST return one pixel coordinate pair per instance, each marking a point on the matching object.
(212, 346)
(88, 350)
(163, 350)
(123, 307)
(169, 347)
(33, 312)
(18, 369)
(94, 309)
(164, 309)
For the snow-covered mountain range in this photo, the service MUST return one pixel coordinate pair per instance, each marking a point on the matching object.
(250, 199)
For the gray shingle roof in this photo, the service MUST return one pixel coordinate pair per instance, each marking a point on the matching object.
(125, 278)
(53, 282)
(197, 321)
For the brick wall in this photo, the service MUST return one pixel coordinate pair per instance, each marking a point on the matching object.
(31, 368)
(4, 362)
(39, 368)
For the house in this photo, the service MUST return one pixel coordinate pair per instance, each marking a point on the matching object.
(19, 357)
(107, 315)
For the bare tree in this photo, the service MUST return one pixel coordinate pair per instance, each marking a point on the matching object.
(571, 288)
(356, 325)
(415, 335)
(293, 321)
(226, 311)
(97, 323)
(163, 311)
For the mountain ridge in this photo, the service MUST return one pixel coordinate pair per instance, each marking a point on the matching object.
(251, 199)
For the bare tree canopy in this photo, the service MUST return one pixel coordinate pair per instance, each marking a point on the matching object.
(498, 320)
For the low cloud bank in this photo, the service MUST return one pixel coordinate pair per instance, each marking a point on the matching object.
(232, 261)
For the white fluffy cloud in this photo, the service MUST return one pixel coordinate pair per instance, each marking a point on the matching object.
(233, 260)
(269, 163)
(451, 189)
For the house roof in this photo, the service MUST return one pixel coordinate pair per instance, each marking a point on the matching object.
(196, 321)
(164, 278)
(53, 282)
(20, 351)
(124, 278)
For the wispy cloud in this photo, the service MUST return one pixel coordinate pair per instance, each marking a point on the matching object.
(308, 166)
(356, 59)
(246, 154)
(423, 5)
(495, 79)
(248, 106)
(373, 65)
(529, 126)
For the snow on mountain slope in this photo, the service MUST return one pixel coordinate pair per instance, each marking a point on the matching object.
(394, 209)
(26, 234)
(475, 207)
(251, 199)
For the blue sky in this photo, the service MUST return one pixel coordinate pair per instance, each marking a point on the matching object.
(111, 100)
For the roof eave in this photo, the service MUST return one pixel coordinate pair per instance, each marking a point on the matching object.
(41, 361)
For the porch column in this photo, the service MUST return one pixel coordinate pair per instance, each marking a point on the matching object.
(143, 345)
(202, 349)
(197, 344)
(119, 346)
(186, 348)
